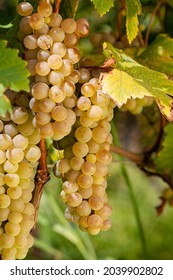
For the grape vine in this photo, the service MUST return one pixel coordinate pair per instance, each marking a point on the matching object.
(55, 90)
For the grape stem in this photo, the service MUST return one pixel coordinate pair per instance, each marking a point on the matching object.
(57, 6)
(41, 178)
(151, 20)
(119, 24)
(123, 3)
(137, 158)
(144, 162)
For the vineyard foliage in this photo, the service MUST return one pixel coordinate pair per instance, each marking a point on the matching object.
(129, 54)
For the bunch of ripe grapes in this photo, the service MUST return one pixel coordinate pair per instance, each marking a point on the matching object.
(66, 104)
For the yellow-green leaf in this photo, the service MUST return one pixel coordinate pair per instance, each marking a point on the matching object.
(121, 86)
(166, 107)
(133, 10)
(5, 105)
(148, 82)
(103, 6)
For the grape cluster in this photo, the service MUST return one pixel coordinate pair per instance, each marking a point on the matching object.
(86, 160)
(51, 53)
(66, 105)
(135, 106)
(19, 156)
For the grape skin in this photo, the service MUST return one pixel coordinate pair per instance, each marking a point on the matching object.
(50, 44)
(52, 41)
(15, 192)
(88, 157)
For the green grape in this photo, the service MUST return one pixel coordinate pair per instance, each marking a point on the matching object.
(15, 155)
(4, 201)
(36, 21)
(9, 253)
(82, 27)
(30, 42)
(10, 167)
(85, 192)
(95, 202)
(12, 229)
(74, 199)
(15, 217)
(10, 129)
(55, 61)
(28, 209)
(24, 9)
(27, 223)
(68, 25)
(85, 181)
(69, 187)
(83, 134)
(4, 212)
(45, 9)
(80, 149)
(40, 91)
(25, 170)
(15, 192)
(95, 221)
(76, 163)
(5, 141)
(2, 156)
(20, 241)
(32, 153)
(20, 141)
(21, 253)
(6, 240)
(84, 209)
(105, 211)
(88, 168)
(16, 205)
(12, 179)
(45, 42)
(106, 225)
(55, 19)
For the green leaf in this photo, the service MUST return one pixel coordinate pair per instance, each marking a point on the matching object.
(13, 72)
(159, 55)
(165, 157)
(5, 104)
(147, 82)
(103, 6)
(133, 10)
(68, 8)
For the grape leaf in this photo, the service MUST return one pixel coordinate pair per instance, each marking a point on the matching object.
(147, 81)
(68, 8)
(159, 55)
(5, 104)
(103, 6)
(13, 72)
(164, 159)
(133, 10)
(123, 86)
